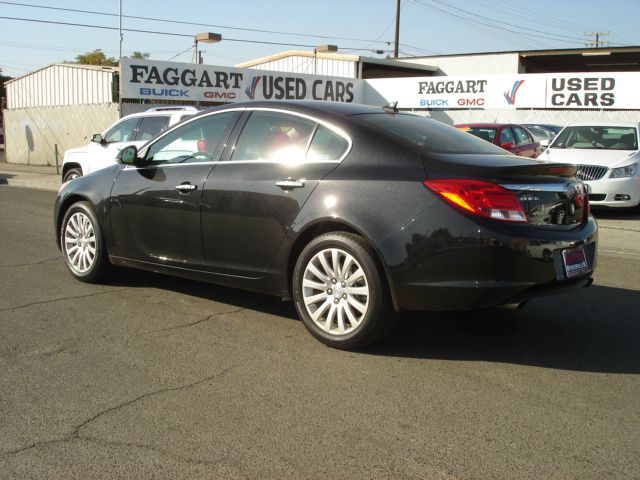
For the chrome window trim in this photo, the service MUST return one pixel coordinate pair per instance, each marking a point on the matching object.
(230, 162)
(538, 187)
(329, 126)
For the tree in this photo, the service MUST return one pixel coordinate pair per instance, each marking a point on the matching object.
(96, 57)
(140, 56)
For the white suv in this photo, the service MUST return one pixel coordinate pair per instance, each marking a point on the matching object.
(135, 129)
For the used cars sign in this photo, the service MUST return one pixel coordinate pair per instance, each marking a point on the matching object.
(189, 82)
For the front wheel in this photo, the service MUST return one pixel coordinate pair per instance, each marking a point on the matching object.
(82, 244)
(72, 174)
(339, 292)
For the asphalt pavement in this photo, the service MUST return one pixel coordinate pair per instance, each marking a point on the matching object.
(149, 376)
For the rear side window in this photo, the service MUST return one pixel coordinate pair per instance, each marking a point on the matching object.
(274, 136)
(522, 137)
(430, 135)
(123, 131)
(326, 145)
(151, 126)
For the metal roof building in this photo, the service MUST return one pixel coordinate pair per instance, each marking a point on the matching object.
(63, 84)
(338, 65)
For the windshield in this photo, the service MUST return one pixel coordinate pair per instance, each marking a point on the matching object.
(430, 135)
(598, 138)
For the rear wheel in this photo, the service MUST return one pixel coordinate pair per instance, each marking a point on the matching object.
(339, 292)
(83, 245)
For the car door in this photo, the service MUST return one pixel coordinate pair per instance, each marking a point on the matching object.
(256, 192)
(155, 207)
(525, 145)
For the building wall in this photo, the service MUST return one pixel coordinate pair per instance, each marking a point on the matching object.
(61, 85)
(311, 66)
(33, 133)
(494, 63)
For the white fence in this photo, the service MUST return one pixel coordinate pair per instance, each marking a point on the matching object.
(32, 134)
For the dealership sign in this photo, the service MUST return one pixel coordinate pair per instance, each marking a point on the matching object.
(562, 91)
(147, 79)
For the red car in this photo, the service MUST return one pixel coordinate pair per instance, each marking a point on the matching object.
(514, 138)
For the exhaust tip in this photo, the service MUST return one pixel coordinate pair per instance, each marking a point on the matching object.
(514, 306)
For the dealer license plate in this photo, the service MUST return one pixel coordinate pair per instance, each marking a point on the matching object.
(575, 262)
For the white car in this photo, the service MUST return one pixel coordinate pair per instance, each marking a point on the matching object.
(607, 158)
(135, 129)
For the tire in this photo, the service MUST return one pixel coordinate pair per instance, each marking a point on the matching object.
(347, 307)
(71, 174)
(82, 244)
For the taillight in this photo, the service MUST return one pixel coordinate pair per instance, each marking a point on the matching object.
(482, 198)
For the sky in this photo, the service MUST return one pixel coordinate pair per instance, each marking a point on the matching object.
(253, 29)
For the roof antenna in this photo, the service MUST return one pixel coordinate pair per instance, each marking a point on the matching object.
(391, 107)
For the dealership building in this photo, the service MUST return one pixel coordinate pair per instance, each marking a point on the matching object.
(61, 106)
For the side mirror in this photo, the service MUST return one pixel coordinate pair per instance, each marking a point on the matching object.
(544, 143)
(128, 155)
(97, 138)
(507, 145)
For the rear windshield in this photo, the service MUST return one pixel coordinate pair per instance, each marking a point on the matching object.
(597, 138)
(430, 135)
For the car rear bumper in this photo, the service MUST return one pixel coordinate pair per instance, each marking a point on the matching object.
(473, 264)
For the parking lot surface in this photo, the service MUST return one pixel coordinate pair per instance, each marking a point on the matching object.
(152, 376)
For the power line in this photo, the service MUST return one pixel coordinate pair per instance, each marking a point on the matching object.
(184, 22)
(184, 35)
(488, 29)
(499, 25)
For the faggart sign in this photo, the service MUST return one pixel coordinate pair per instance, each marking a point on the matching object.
(561, 91)
(145, 79)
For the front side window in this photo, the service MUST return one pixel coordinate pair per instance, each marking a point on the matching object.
(194, 142)
(274, 136)
(151, 126)
(123, 131)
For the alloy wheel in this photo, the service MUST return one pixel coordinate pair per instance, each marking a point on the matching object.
(335, 291)
(80, 242)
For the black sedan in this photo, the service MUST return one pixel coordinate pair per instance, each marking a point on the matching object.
(353, 212)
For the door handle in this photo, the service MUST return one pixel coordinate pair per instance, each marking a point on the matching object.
(289, 183)
(186, 187)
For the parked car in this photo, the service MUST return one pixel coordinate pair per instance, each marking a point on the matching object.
(354, 212)
(542, 135)
(513, 138)
(135, 129)
(606, 156)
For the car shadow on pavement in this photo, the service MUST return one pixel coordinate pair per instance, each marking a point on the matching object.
(595, 330)
(625, 214)
(230, 296)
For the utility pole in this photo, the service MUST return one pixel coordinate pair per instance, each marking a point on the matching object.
(395, 48)
(597, 43)
(120, 71)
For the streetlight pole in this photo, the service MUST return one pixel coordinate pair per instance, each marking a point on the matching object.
(323, 49)
(205, 37)
(397, 39)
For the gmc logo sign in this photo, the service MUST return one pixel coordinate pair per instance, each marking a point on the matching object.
(220, 95)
